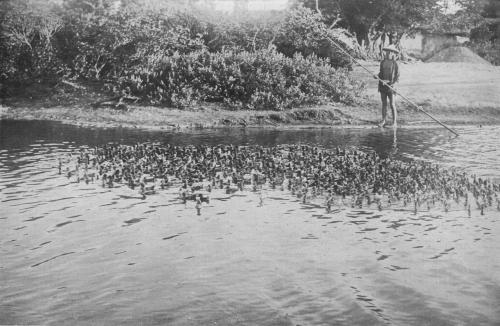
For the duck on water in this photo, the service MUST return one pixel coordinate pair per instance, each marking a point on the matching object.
(338, 177)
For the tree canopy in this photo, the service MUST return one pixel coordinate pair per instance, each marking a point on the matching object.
(371, 19)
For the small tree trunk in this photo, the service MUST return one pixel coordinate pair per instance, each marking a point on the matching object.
(317, 7)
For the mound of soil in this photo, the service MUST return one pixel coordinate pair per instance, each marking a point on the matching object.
(457, 54)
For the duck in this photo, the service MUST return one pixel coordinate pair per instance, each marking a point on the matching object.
(308, 171)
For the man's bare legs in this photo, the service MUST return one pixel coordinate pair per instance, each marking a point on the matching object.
(394, 111)
(384, 97)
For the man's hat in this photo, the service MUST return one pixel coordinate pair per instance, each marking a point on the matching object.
(391, 48)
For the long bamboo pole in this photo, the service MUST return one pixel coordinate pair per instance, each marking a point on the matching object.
(404, 97)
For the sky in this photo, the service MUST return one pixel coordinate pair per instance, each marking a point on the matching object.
(267, 4)
(253, 5)
(450, 7)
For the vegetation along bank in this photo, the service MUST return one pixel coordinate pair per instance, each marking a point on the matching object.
(166, 65)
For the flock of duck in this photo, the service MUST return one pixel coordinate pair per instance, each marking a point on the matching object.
(334, 177)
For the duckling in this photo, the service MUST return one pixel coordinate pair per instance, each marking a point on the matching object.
(149, 190)
(304, 195)
(131, 183)
(230, 190)
(353, 201)
(368, 199)
(68, 173)
(299, 168)
(183, 196)
(198, 205)
(110, 182)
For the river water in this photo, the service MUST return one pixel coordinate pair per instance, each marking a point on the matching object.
(73, 253)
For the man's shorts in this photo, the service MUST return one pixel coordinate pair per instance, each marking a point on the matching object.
(384, 89)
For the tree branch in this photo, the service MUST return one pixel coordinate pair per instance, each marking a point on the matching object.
(335, 22)
(89, 4)
(317, 7)
(72, 84)
(254, 38)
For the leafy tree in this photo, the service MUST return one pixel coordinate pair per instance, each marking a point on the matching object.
(304, 31)
(485, 38)
(373, 19)
(468, 16)
(27, 47)
(247, 32)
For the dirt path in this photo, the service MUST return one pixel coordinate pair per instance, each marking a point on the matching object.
(455, 92)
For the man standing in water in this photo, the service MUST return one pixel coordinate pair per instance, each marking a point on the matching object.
(389, 73)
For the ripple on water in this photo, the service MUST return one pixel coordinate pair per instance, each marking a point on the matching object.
(63, 224)
(173, 236)
(133, 221)
(50, 259)
(393, 285)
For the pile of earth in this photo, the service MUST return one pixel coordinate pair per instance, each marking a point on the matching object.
(457, 54)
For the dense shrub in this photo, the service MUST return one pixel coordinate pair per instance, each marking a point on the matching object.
(108, 43)
(303, 31)
(489, 50)
(300, 30)
(27, 47)
(247, 33)
(264, 79)
(177, 58)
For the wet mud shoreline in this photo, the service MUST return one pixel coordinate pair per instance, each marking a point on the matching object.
(455, 93)
(149, 118)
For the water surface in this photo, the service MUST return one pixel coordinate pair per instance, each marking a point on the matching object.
(73, 253)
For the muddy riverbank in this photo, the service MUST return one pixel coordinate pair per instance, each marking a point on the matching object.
(455, 93)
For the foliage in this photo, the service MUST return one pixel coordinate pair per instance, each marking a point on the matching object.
(304, 31)
(109, 41)
(27, 49)
(177, 57)
(480, 17)
(300, 30)
(379, 22)
(368, 20)
(463, 20)
(264, 79)
(489, 50)
(248, 32)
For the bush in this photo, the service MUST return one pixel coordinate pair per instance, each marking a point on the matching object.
(304, 31)
(263, 79)
(249, 33)
(108, 42)
(300, 30)
(488, 50)
(27, 47)
(177, 58)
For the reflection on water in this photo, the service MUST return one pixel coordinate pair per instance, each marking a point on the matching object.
(73, 253)
(476, 150)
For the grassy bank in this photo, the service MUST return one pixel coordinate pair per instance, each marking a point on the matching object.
(455, 93)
